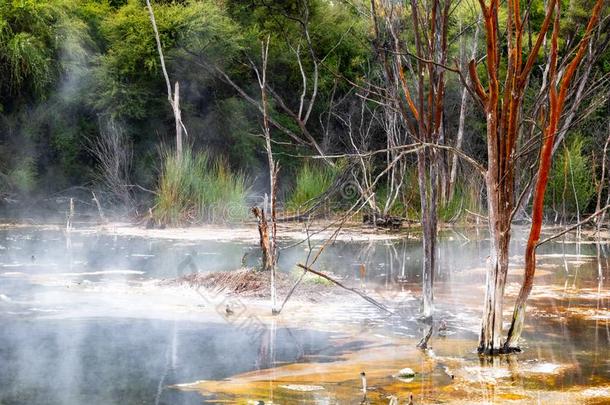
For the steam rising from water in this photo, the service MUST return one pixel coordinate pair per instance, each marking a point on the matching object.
(89, 321)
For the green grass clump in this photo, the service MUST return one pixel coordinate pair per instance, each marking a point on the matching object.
(196, 189)
(311, 181)
(572, 179)
(309, 278)
(466, 196)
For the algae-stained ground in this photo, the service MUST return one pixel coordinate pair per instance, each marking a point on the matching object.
(565, 358)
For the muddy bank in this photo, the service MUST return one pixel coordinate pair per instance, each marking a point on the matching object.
(247, 232)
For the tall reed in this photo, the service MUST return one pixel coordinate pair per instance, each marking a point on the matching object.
(311, 181)
(196, 189)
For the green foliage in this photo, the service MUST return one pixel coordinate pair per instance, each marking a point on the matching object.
(398, 207)
(195, 189)
(21, 178)
(27, 59)
(312, 180)
(236, 126)
(128, 75)
(466, 196)
(571, 181)
(32, 39)
(309, 278)
(67, 64)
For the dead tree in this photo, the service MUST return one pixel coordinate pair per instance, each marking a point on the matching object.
(268, 237)
(465, 98)
(396, 135)
(172, 97)
(584, 88)
(99, 208)
(299, 116)
(424, 75)
(113, 152)
(70, 216)
(602, 183)
(361, 123)
(265, 240)
(558, 91)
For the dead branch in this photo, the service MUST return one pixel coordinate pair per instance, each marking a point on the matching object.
(361, 294)
(577, 225)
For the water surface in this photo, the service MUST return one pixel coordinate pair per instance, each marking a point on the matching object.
(78, 326)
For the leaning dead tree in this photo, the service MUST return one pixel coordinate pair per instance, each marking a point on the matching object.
(558, 91)
(415, 87)
(172, 96)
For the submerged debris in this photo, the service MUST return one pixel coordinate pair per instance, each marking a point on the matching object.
(248, 282)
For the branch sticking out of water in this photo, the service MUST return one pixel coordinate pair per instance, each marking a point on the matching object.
(364, 296)
(423, 343)
(581, 223)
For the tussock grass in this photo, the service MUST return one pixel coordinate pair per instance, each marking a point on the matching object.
(466, 196)
(311, 181)
(196, 189)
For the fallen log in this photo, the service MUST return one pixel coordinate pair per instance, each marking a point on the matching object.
(382, 221)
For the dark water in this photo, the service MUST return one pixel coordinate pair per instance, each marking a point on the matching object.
(120, 358)
(107, 361)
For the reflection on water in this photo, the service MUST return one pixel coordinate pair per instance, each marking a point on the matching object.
(129, 360)
(105, 352)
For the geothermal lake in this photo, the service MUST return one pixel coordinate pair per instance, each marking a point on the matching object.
(91, 318)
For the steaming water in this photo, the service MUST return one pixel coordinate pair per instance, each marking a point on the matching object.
(80, 325)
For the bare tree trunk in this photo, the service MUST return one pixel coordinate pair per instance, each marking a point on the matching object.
(70, 216)
(491, 324)
(99, 208)
(428, 236)
(462, 119)
(602, 183)
(263, 231)
(178, 119)
(268, 238)
(174, 99)
(503, 107)
(422, 114)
